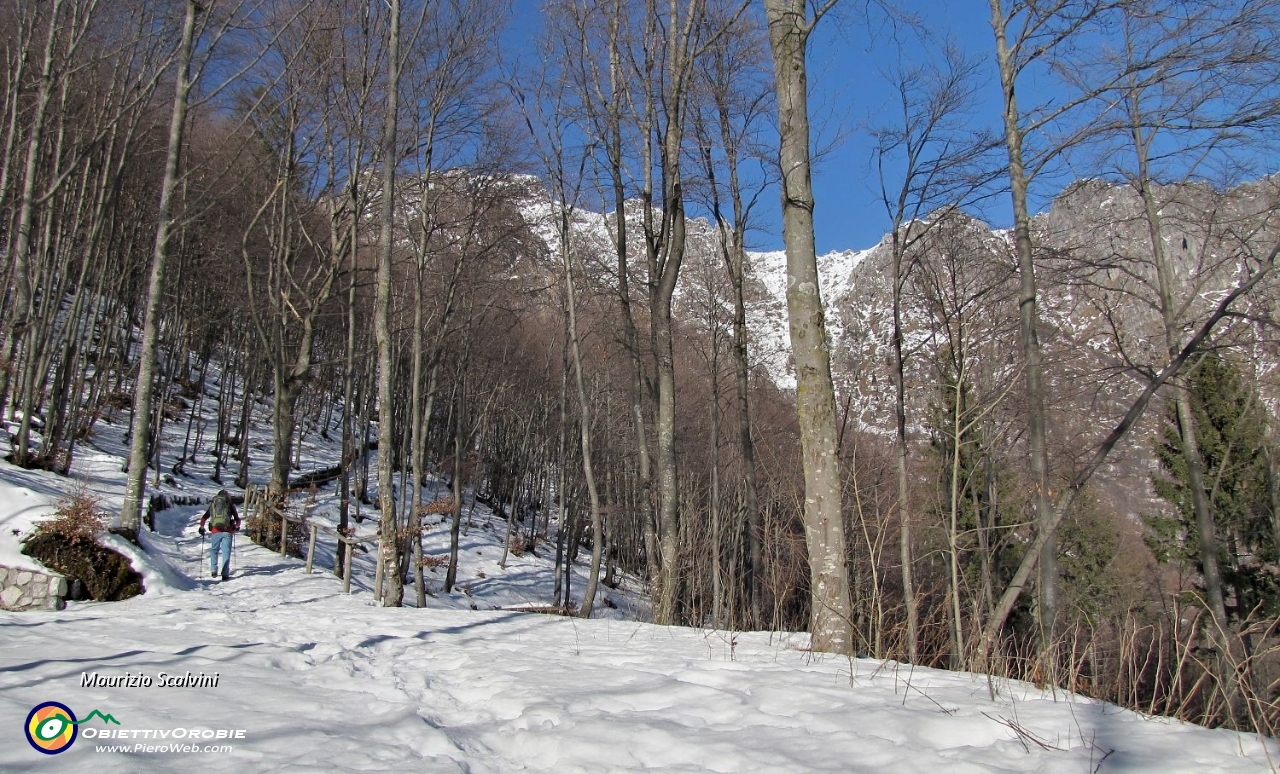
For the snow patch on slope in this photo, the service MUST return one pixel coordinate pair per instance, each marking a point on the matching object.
(767, 318)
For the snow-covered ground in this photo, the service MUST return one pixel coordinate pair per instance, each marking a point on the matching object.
(322, 681)
(317, 680)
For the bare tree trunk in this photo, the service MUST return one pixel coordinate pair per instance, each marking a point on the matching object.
(418, 421)
(1030, 321)
(664, 271)
(1018, 582)
(732, 237)
(392, 592)
(419, 581)
(901, 452)
(1273, 492)
(350, 445)
(831, 622)
(459, 458)
(13, 103)
(246, 413)
(665, 429)
(1220, 631)
(584, 419)
(717, 539)
(958, 433)
(21, 279)
(562, 473)
(131, 510)
(615, 107)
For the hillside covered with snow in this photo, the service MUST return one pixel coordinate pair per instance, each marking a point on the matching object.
(307, 678)
(322, 681)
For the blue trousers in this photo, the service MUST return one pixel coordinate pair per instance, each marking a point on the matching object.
(219, 542)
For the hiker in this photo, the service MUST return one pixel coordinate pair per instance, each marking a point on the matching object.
(223, 521)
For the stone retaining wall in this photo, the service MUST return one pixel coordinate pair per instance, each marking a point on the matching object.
(22, 589)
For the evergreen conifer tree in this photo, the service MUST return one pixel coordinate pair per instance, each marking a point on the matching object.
(1231, 425)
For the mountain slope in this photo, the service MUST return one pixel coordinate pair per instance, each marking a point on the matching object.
(322, 681)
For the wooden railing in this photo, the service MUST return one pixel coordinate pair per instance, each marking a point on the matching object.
(255, 500)
(351, 543)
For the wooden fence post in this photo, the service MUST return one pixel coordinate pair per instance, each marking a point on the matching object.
(253, 496)
(311, 547)
(346, 570)
(284, 529)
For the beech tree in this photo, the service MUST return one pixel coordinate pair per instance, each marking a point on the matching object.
(66, 28)
(1196, 87)
(734, 100)
(831, 622)
(209, 24)
(1027, 36)
(291, 266)
(597, 48)
(140, 435)
(392, 592)
(667, 109)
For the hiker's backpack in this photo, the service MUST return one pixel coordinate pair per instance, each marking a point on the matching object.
(220, 514)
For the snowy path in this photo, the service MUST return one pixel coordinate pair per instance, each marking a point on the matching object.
(322, 681)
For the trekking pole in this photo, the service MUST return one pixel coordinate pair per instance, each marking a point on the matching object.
(201, 564)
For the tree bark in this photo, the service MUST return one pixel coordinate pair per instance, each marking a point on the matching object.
(1136, 409)
(21, 279)
(901, 453)
(1029, 318)
(131, 510)
(459, 459)
(831, 622)
(1201, 503)
(392, 592)
(584, 420)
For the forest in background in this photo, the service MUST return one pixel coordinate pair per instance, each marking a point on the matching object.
(1046, 451)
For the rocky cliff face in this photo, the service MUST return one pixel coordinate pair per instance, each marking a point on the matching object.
(1101, 323)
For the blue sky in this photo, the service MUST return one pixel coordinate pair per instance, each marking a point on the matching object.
(849, 93)
(850, 90)
(851, 54)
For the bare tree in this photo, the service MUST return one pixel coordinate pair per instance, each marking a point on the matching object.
(67, 26)
(451, 55)
(666, 254)
(296, 123)
(964, 287)
(594, 47)
(1198, 87)
(1027, 33)
(130, 511)
(831, 626)
(931, 155)
(392, 592)
(737, 97)
(219, 21)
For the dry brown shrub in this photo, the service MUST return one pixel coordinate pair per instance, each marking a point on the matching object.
(433, 562)
(77, 519)
(67, 542)
(438, 505)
